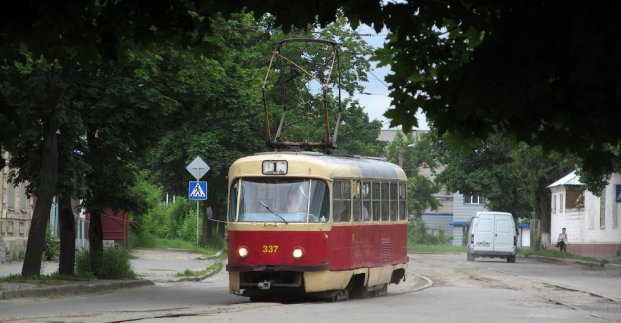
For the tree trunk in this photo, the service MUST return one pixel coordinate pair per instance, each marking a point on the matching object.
(95, 240)
(67, 236)
(48, 175)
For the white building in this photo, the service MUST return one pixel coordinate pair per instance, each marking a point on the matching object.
(591, 221)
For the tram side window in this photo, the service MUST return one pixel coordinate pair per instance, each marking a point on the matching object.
(357, 201)
(366, 201)
(385, 202)
(233, 202)
(342, 201)
(402, 202)
(376, 201)
(393, 201)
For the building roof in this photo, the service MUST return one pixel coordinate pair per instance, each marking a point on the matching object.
(569, 179)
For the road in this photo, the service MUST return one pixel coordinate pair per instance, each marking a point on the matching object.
(481, 291)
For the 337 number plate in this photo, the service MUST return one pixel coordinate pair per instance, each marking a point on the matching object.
(270, 248)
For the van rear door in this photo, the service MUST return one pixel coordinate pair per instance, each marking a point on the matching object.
(484, 233)
(503, 238)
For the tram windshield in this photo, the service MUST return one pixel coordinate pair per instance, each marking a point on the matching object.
(288, 200)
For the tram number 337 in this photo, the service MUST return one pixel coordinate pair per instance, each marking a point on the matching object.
(270, 248)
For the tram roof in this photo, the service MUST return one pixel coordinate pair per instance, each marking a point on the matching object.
(328, 165)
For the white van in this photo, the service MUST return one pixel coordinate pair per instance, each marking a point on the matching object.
(492, 234)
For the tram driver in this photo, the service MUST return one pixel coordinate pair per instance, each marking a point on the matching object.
(295, 202)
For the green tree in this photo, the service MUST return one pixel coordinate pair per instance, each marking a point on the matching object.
(536, 71)
(415, 155)
(511, 177)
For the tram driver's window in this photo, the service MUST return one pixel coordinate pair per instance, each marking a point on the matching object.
(320, 202)
(233, 202)
(341, 210)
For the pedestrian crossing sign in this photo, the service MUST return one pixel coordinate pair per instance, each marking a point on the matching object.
(197, 190)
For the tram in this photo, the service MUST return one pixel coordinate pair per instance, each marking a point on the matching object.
(308, 223)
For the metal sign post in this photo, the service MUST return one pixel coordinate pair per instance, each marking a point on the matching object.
(197, 190)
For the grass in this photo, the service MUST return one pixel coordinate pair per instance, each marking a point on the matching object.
(18, 278)
(440, 248)
(192, 273)
(149, 241)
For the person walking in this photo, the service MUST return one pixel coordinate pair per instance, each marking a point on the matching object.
(562, 241)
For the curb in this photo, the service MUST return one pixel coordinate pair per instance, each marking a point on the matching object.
(587, 264)
(199, 278)
(72, 289)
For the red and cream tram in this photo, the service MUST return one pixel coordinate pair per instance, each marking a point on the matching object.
(302, 223)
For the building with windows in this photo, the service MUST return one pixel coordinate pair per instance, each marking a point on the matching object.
(591, 221)
(15, 215)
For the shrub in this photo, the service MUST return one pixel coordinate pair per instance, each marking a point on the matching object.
(418, 233)
(115, 264)
(187, 229)
(50, 248)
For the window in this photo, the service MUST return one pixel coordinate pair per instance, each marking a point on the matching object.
(562, 203)
(342, 201)
(394, 208)
(376, 201)
(385, 200)
(602, 210)
(402, 202)
(23, 199)
(553, 203)
(472, 199)
(233, 202)
(291, 200)
(366, 201)
(10, 194)
(357, 200)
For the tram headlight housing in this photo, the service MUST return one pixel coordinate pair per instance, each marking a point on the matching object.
(243, 252)
(298, 253)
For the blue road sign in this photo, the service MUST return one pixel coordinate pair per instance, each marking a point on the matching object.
(618, 193)
(197, 190)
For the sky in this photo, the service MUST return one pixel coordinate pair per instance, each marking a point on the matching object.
(377, 101)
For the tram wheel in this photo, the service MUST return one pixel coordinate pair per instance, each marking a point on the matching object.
(339, 295)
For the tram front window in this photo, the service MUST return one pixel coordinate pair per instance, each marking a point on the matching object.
(288, 200)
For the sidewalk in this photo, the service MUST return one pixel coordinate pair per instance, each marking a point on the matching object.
(153, 266)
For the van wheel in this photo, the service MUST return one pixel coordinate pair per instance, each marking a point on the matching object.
(469, 257)
(511, 259)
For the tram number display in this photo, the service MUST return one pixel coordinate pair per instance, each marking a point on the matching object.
(270, 248)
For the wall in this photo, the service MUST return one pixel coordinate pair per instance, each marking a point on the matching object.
(15, 215)
(606, 231)
(592, 230)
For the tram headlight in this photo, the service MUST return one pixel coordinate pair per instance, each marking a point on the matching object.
(298, 253)
(243, 252)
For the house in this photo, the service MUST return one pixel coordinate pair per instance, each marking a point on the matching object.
(592, 221)
(15, 216)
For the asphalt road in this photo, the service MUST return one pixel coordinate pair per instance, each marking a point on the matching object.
(481, 291)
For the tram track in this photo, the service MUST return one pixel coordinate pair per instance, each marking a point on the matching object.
(562, 295)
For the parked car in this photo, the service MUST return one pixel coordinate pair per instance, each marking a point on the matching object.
(492, 234)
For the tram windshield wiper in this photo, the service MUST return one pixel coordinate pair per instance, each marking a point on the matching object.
(274, 213)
